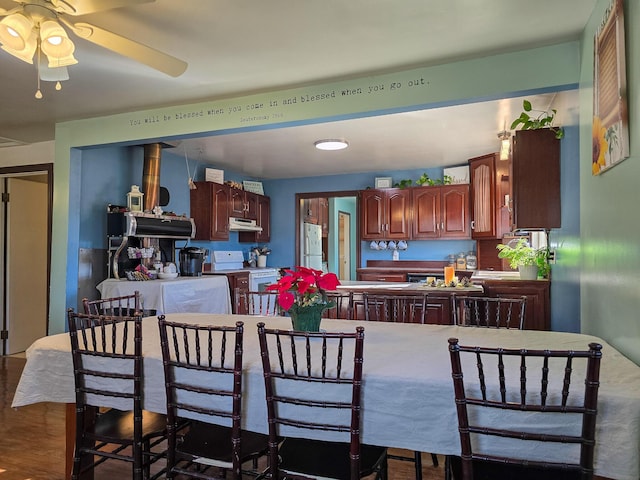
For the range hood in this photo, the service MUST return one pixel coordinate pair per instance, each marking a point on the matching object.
(138, 224)
(243, 225)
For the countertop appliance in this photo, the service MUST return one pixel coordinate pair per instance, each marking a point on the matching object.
(191, 260)
(312, 246)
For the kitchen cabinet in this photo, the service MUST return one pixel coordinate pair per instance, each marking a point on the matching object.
(311, 210)
(210, 210)
(263, 220)
(440, 212)
(439, 310)
(538, 307)
(385, 214)
(535, 180)
(316, 211)
(489, 177)
(323, 217)
(382, 277)
(243, 204)
(236, 279)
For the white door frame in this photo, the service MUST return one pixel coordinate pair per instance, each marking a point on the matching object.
(5, 254)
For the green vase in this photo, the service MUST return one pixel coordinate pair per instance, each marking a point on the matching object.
(307, 319)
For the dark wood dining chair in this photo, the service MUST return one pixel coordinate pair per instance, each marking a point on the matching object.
(534, 385)
(107, 365)
(342, 305)
(397, 308)
(127, 305)
(257, 303)
(489, 312)
(203, 378)
(291, 359)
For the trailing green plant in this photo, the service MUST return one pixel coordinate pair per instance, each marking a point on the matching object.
(426, 180)
(524, 255)
(543, 119)
(403, 183)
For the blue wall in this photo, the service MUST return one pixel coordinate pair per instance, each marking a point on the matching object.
(109, 172)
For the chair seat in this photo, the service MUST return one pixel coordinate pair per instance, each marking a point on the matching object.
(118, 424)
(486, 470)
(311, 457)
(206, 441)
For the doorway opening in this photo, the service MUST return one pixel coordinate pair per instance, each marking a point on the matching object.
(329, 215)
(25, 255)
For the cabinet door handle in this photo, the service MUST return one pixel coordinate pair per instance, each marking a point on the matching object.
(473, 224)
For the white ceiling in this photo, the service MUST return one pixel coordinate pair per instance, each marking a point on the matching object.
(235, 47)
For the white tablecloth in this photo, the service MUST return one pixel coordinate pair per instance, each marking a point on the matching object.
(207, 294)
(407, 392)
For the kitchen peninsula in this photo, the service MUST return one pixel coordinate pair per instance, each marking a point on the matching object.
(492, 284)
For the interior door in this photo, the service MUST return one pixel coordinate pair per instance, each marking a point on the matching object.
(25, 272)
(344, 242)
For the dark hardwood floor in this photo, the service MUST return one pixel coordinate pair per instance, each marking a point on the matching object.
(32, 440)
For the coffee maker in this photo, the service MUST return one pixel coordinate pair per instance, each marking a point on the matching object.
(191, 260)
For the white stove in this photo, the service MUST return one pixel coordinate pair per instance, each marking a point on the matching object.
(228, 260)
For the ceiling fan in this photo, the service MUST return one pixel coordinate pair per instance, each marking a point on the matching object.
(36, 27)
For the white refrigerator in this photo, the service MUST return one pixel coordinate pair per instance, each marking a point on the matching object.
(312, 246)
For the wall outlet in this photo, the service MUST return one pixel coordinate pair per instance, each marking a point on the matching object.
(552, 257)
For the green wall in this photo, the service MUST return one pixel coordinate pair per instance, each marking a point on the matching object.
(609, 249)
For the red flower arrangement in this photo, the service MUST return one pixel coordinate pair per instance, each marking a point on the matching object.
(304, 287)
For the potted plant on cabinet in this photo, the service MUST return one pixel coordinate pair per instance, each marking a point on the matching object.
(529, 261)
(532, 119)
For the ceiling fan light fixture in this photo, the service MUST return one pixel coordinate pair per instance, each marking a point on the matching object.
(15, 31)
(331, 144)
(25, 54)
(56, 45)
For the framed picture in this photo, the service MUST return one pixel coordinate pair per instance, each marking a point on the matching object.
(610, 128)
(384, 182)
(254, 187)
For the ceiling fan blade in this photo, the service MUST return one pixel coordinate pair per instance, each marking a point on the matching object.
(5, 13)
(146, 55)
(84, 7)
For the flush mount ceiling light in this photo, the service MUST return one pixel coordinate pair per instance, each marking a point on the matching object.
(331, 144)
(505, 144)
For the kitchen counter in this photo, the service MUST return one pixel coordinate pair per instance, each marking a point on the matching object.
(395, 287)
(438, 300)
(180, 295)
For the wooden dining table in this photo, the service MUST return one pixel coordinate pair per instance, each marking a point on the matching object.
(408, 399)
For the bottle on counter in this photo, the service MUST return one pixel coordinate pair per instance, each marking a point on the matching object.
(461, 261)
(472, 261)
(452, 260)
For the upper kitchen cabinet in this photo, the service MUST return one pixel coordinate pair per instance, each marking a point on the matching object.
(316, 211)
(535, 180)
(385, 214)
(489, 177)
(263, 220)
(440, 212)
(210, 210)
(243, 204)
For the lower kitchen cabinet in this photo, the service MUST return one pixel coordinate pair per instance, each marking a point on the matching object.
(382, 277)
(538, 309)
(439, 310)
(239, 280)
